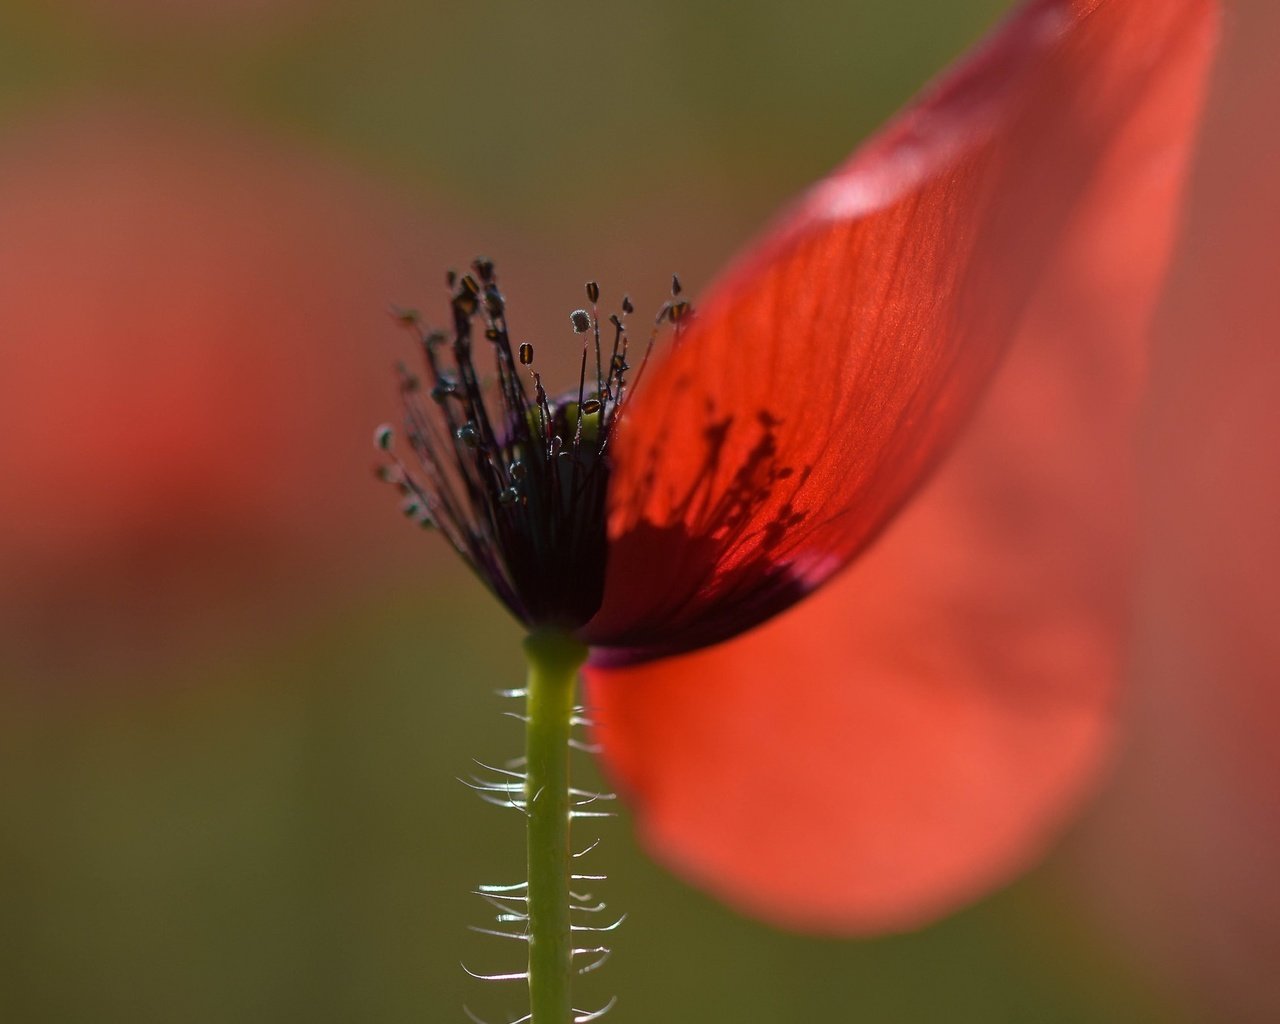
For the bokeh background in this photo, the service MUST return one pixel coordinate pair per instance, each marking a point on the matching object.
(237, 687)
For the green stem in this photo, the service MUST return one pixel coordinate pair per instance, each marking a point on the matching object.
(554, 659)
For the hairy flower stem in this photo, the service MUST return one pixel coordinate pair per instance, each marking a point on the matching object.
(554, 659)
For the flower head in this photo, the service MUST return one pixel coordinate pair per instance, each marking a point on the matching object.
(913, 734)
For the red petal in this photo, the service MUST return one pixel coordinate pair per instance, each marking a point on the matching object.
(1187, 847)
(918, 732)
(830, 368)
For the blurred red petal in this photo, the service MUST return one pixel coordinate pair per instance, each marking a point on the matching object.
(186, 382)
(917, 733)
(1186, 849)
(831, 367)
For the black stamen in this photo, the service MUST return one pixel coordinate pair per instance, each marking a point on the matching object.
(516, 481)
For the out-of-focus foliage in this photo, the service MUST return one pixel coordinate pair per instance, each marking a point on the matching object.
(284, 839)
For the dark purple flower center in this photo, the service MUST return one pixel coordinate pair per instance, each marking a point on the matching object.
(515, 479)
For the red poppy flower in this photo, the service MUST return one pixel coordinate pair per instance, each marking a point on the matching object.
(915, 732)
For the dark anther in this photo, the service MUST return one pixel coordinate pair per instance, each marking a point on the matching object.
(409, 382)
(408, 317)
(675, 285)
(451, 279)
(465, 303)
(515, 478)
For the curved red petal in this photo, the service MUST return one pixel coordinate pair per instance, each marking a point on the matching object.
(830, 368)
(919, 731)
(1185, 850)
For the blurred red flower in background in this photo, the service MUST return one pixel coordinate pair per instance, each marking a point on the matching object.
(187, 316)
(919, 731)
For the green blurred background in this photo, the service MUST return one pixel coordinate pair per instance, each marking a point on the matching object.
(241, 806)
